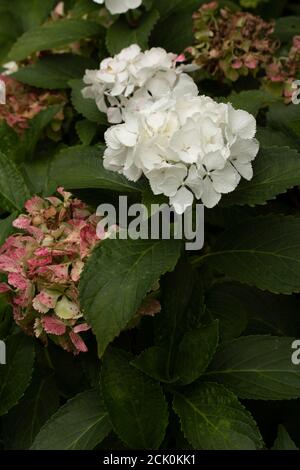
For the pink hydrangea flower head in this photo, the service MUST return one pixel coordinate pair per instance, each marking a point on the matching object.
(43, 262)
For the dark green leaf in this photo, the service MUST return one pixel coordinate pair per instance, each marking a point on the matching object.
(276, 169)
(13, 190)
(15, 375)
(267, 135)
(227, 303)
(53, 35)
(212, 418)
(239, 307)
(286, 119)
(264, 253)
(10, 143)
(283, 440)
(175, 33)
(287, 27)
(86, 131)
(54, 72)
(195, 352)
(173, 321)
(136, 404)
(80, 424)
(250, 100)
(31, 13)
(36, 127)
(25, 420)
(121, 35)
(128, 267)
(85, 106)
(6, 227)
(82, 167)
(153, 362)
(258, 367)
(165, 7)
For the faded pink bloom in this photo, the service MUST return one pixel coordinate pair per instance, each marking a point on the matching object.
(283, 71)
(230, 44)
(43, 263)
(23, 103)
(43, 266)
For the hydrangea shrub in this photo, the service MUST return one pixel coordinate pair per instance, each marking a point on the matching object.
(131, 343)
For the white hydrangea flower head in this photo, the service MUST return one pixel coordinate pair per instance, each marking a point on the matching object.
(188, 146)
(119, 6)
(120, 76)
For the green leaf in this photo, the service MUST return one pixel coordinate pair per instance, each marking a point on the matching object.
(276, 169)
(175, 33)
(80, 424)
(283, 440)
(6, 227)
(54, 71)
(10, 29)
(165, 7)
(258, 368)
(85, 106)
(285, 119)
(6, 318)
(36, 127)
(25, 420)
(287, 27)
(31, 13)
(195, 352)
(53, 35)
(173, 321)
(83, 7)
(86, 131)
(15, 375)
(136, 404)
(10, 142)
(81, 167)
(153, 362)
(239, 307)
(227, 303)
(36, 173)
(13, 190)
(128, 268)
(265, 135)
(250, 100)
(182, 311)
(212, 418)
(121, 35)
(264, 252)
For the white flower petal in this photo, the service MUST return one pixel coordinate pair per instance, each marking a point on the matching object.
(210, 197)
(225, 180)
(182, 200)
(242, 123)
(121, 6)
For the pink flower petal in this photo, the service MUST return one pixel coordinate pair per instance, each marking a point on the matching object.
(4, 288)
(34, 205)
(45, 300)
(53, 325)
(81, 327)
(78, 342)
